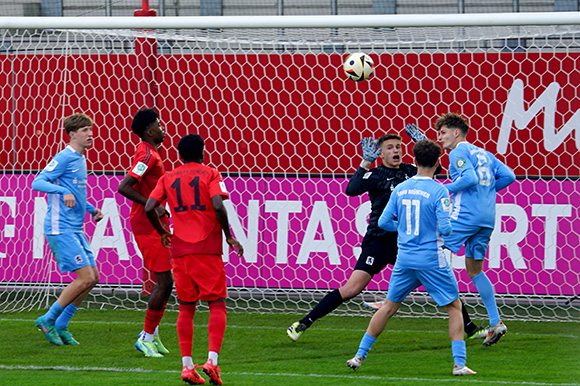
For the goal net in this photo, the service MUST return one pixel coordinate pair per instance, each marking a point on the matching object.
(283, 124)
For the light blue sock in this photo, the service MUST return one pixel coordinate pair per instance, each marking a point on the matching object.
(54, 311)
(485, 289)
(62, 321)
(365, 345)
(459, 352)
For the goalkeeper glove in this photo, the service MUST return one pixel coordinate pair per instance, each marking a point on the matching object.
(414, 132)
(370, 151)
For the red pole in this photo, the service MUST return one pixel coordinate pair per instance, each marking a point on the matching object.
(146, 52)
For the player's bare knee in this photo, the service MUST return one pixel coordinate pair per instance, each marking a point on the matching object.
(350, 291)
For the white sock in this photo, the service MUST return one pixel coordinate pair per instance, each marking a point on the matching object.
(156, 333)
(213, 356)
(145, 337)
(187, 362)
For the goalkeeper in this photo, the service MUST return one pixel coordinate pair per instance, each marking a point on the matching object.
(379, 247)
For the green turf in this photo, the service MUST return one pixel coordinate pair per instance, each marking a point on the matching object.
(256, 351)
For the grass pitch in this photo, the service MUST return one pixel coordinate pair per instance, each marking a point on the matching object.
(256, 351)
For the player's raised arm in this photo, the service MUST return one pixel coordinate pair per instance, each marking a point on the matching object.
(370, 151)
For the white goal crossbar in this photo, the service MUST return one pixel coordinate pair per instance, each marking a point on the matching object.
(324, 21)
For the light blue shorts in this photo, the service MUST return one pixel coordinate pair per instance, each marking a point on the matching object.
(476, 241)
(71, 250)
(440, 283)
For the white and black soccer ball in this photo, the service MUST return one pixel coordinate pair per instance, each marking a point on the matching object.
(358, 66)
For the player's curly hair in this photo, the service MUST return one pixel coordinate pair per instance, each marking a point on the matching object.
(191, 147)
(427, 153)
(142, 120)
(76, 121)
(452, 120)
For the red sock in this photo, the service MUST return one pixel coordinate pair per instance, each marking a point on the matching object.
(152, 319)
(185, 328)
(217, 325)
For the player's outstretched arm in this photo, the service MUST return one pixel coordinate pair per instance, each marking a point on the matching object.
(357, 184)
(414, 132)
(370, 151)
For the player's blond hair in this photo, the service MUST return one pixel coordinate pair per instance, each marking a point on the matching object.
(76, 121)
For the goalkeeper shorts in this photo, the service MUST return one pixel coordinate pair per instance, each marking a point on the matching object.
(377, 252)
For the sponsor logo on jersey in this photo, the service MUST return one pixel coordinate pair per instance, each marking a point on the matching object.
(140, 169)
(367, 175)
(223, 187)
(50, 167)
(460, 163)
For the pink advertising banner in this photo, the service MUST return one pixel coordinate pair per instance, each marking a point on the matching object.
(305, 233)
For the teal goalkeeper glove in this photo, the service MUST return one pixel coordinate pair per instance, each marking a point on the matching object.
(370, 151)
(414, 132)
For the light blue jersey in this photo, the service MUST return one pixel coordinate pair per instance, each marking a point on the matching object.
(477, 176)
(421, 206)
(66, 173)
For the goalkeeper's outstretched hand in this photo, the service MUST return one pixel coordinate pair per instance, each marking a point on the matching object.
(414, 132)
(370, 149)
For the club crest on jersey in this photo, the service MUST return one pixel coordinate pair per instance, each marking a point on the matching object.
(370, 260)
(460, 163)
(140, 169)
(50, 167)
(446, 204)
(367, 175)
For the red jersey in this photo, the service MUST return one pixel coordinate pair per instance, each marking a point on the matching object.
(188, 190)
(147, 168)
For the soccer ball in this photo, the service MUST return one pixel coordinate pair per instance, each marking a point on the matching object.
(358, 66)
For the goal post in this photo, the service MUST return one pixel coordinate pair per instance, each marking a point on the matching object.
(283, 124)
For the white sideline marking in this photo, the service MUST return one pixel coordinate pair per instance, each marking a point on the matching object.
(283, 329)
(369, 377)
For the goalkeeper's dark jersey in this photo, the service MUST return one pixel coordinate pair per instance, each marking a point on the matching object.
(379, 182)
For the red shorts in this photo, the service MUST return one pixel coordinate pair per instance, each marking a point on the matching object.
(156, 257)
(199, 277)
